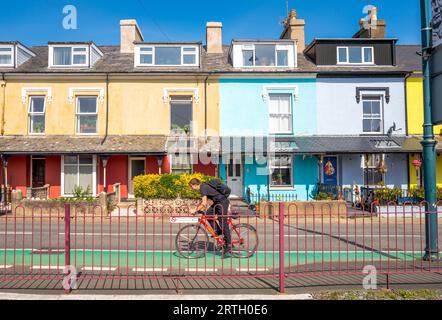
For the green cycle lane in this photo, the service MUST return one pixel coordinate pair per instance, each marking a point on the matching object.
(167, 259)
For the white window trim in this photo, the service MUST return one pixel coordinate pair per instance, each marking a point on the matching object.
(371, 63)
(30, 114)
(72, 65)
(167, 93)
(77, 119)
(170, 156)
(72, 92)
(363, 167)
(138, 56)
(291, 186)
(94, 176)
(129, 172)
(26, 92)
(381, 132)
(182, 64)
(266, 90)
(291, 115)
(13, 56)
(278, 47)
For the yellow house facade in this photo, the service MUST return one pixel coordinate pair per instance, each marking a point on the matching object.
(77, 114)
(415, 120)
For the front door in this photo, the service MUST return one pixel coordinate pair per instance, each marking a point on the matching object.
(235, 177)
(137, 167)
(38, 172)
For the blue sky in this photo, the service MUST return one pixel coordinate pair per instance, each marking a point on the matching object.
(35, 22)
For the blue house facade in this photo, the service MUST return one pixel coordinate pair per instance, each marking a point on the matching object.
(260, 112)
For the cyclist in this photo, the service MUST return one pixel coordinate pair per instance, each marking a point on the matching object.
(218, 193)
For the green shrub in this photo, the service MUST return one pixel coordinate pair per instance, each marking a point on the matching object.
(167, 186)
(323, 196)
(387, 195)
(417, 192)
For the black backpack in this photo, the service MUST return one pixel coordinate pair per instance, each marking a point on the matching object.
(221, 188)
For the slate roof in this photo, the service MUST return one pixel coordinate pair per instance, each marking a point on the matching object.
(158, 144)
(408, 59)
(114, 61)
(325, 144)
(128, 144)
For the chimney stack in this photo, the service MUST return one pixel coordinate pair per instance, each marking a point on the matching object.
(294, 29)
(214, 38)
(129, 32)
(373, 28)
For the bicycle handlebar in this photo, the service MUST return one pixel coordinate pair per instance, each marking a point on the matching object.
(198, 212)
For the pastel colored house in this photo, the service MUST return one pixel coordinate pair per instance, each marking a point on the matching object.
(415, 117)
(79, 114)
(268, 96)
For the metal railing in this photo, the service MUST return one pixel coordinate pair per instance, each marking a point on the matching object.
(294, 241)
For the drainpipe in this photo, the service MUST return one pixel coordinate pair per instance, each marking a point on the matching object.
(106, 158)
(3, 86)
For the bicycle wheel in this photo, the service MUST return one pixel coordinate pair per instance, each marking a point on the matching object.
(191, 242)
(244, 240)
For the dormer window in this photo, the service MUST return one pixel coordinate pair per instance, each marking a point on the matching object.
(78, 55)
(166, 55)
(70, 56)
(280, 54)
(13, 54)
(6, 56)
(265, 55)
(355, 55)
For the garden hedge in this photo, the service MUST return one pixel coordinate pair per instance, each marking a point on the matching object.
(167, 186)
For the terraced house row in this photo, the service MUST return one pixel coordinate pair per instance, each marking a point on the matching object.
(341, 112)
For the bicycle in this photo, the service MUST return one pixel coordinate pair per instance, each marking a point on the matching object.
(192, 240)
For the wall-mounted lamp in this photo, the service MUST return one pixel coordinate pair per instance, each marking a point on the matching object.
(160, 163)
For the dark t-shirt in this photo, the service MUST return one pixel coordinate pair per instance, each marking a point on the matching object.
(211, 193)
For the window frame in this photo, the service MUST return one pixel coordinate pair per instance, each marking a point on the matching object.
(183, 100)
(171, 159)
(381, 113)
(347, 62)
(86, 53)
(196, 52)
(290, 96)
(374, 167)
(12, 54)
(78, 115)
(278, 48)
(272, 167)
(94, 174)
(31, 114)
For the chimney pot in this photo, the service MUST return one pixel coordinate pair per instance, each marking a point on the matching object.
(129, 33)
(294, 29)
(214, 39)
